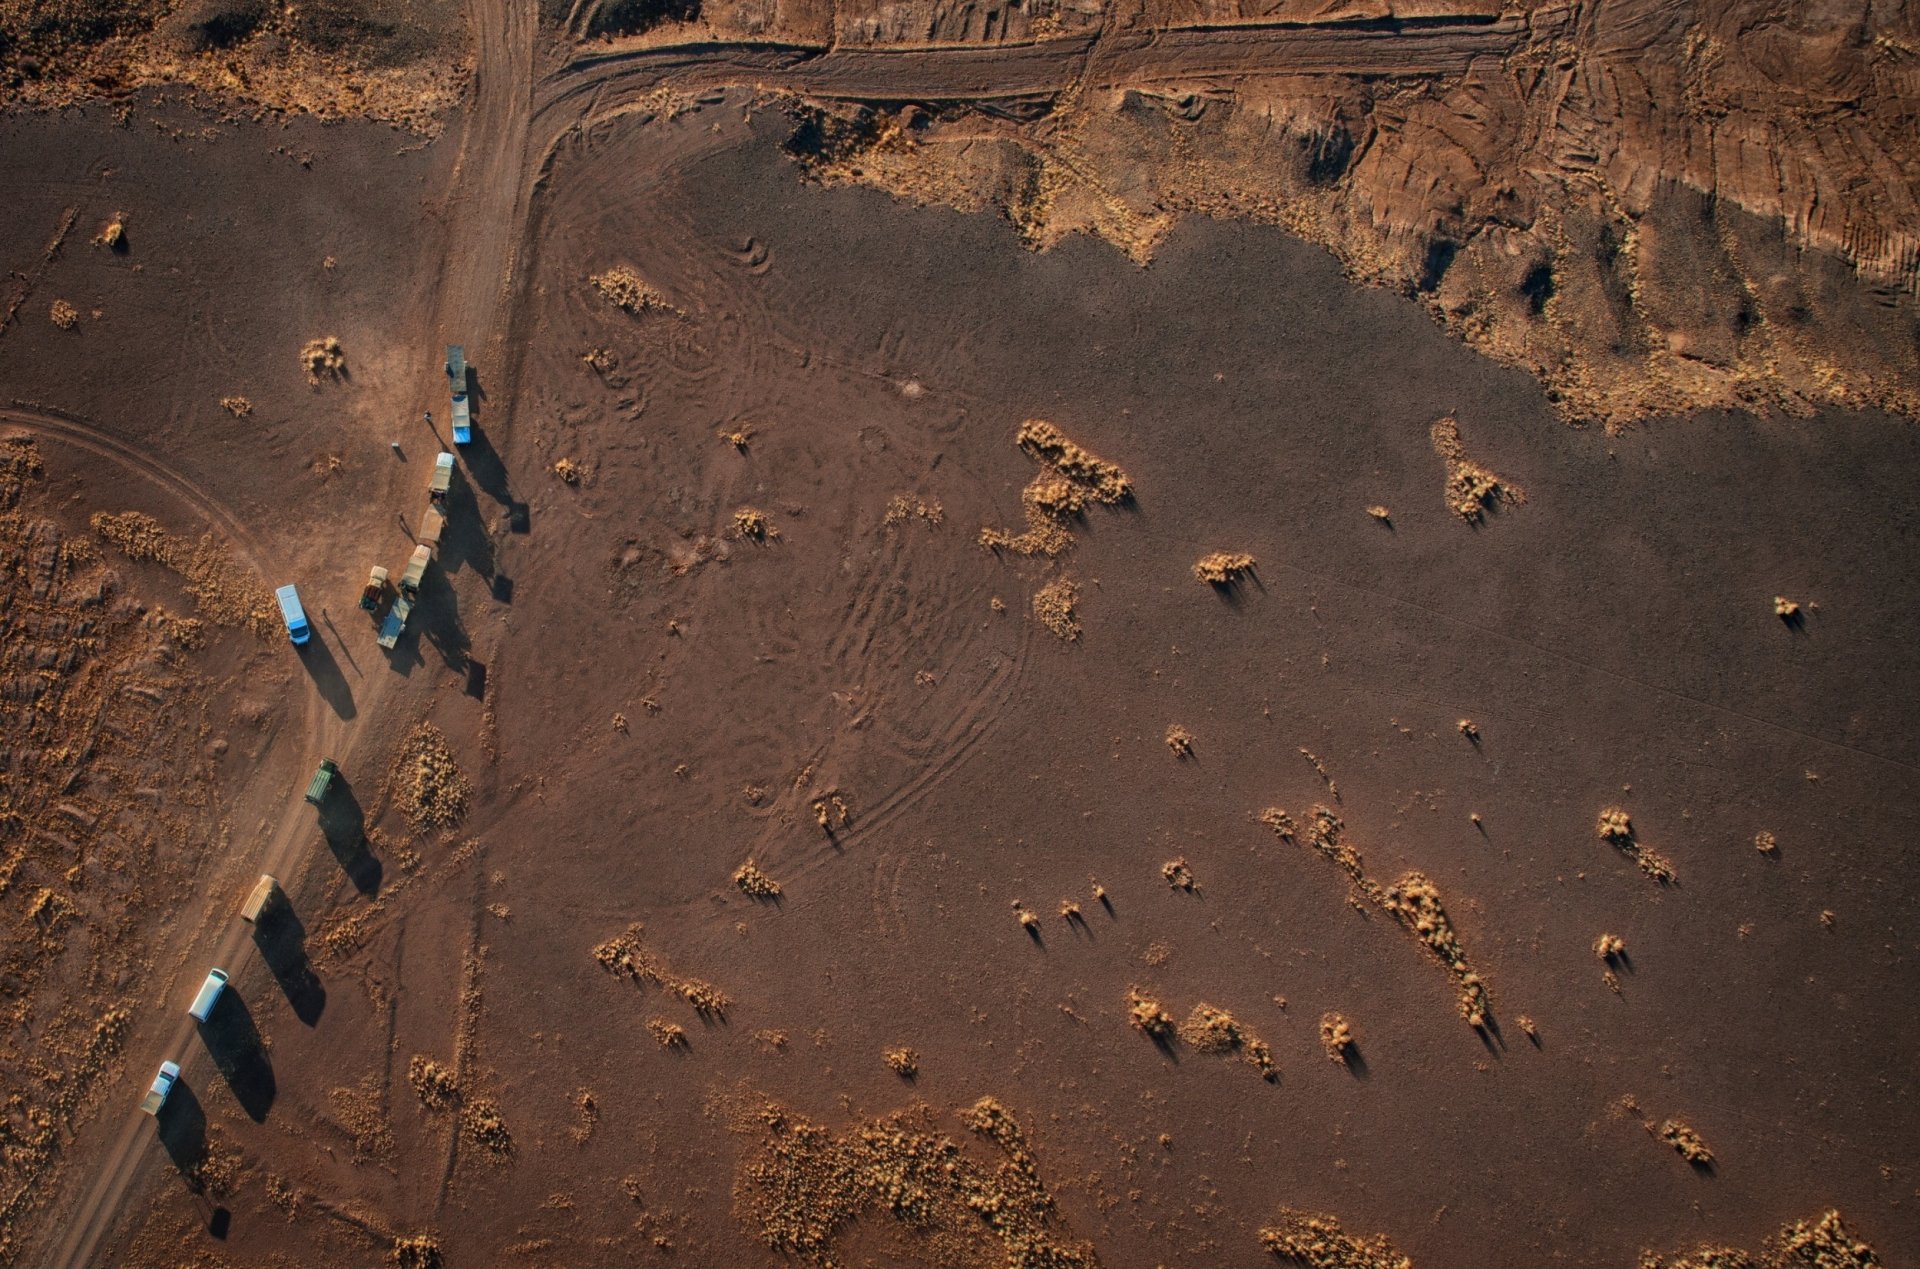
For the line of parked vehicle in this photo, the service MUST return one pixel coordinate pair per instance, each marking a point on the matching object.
(262, 905)
(426, 544)
(266, 896)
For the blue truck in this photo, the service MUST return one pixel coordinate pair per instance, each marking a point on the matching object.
(457, 382)
(296, 617)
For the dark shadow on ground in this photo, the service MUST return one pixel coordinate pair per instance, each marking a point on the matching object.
(282, 940)
(326, 676)
(344, 824)
(234, 1041)
(182, 1126)
(437, 615)
(465, 540)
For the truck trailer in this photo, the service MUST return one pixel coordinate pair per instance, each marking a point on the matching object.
(416, 571)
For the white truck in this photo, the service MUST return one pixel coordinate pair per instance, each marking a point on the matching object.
(210, 990)
(162, 1085)
(442, 477)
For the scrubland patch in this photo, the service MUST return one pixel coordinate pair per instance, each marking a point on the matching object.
(1471, 490)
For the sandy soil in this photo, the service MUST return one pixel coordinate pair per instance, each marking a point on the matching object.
(714, 592)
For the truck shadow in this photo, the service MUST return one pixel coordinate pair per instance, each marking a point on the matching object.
(488, 473)
(438, 613)
(182, 1128)
(465, 540)
(344, 824)
(282, 939)
(234, 1041)
(325, 673)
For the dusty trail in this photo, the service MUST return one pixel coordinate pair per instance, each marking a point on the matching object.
(602, 85)
(486, 208)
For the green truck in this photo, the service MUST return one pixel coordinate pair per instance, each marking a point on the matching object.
(322, 782)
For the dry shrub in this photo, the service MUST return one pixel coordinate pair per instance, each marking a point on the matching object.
(671, 1035)
(433, 1082)
(1070, 478)
(1178, 875)
(1145, 1015)
(830, 812)
(1211, 1029)
(903, 1062)
(1279, 821)
(224, 592)
(1472, 490)
(1415, 903)
(1337, 1038)
(1316, 1241)
(627, 290)
(569, 471)
(1610, 947)
(323, 358)
(1616, 827)
(1784, 608)
(1380, 513)
(1765, 843)
(238, 407)
(63, 315)
(480, 1123)
(902, 507)
(1681, 1136)
(1823, 1244)
(804, 1186)
(1223, 568)
(628, 956)
(1053, 607)
(1180, 740)
(113, 235)
(754, 525)
(755, 883)
(426, 783)
(415, 1251)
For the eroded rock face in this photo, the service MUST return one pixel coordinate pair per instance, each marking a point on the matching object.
(1655, 206)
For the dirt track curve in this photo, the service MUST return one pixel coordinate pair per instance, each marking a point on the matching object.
(509, 133)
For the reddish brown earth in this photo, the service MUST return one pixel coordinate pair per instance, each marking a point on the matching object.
(539, 1020)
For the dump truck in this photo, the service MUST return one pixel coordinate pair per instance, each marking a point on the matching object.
(416, 571)
(322, 782)
(203, 1004)
(396, 623)
(457, 383)
(265, 891)
(294, 615)
(162, 1085)
(432, 525)
(375, 589)
(442, 477)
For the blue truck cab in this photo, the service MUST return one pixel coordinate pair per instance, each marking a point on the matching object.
(457, 385)
(296, 617)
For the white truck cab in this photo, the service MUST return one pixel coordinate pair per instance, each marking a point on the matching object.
(209, 995)
(162, 1085)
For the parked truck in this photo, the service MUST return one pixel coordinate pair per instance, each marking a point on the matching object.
(416, 571)
(265, 891)
(432, 525)
(294, 615)
(209, 996)
(322, 782)
(457, 383)
(396, 623)
(442, 478)
(375, 589)
(163, 1083)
